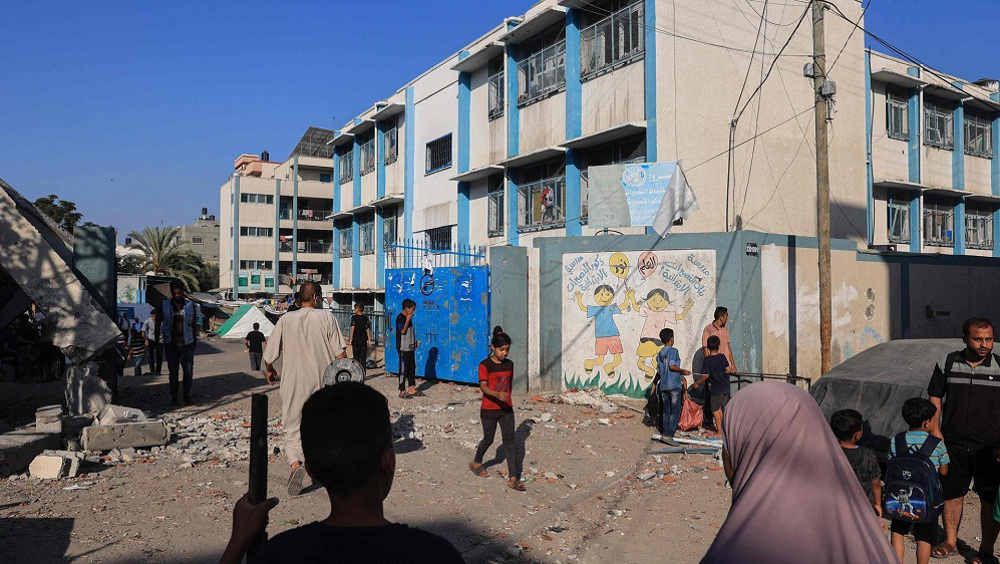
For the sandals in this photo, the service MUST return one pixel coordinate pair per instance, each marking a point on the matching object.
(515, 484)
(943, 550)
(478, 470)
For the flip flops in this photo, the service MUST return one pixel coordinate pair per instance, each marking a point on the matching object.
(478, 470)
(516, 484)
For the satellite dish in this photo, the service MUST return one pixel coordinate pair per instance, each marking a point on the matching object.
(343, 370)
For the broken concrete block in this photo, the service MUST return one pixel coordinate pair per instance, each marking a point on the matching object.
(18, 448)
(55, 464)
(124, 435)
(48, 419)
(49, 467)
(85, 391)
(112, 414)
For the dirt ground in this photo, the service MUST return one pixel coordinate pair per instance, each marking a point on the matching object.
(594, 493)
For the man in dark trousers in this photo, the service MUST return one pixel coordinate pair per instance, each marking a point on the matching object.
(154, 342)
(360, 337)
(965, 389)
(255, 341)
(180, 335)
(406, 346)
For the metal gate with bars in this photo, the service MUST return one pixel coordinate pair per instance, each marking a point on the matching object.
(450, 286)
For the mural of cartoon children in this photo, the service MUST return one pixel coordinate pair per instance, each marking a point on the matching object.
(654, 309)
(606, 331)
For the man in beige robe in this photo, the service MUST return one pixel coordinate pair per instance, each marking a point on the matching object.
(309, 339)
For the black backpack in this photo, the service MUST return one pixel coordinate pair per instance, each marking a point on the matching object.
(912, 489)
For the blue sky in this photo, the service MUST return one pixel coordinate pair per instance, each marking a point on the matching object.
(136, 110)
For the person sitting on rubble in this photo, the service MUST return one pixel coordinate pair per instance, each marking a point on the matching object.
(356, 465)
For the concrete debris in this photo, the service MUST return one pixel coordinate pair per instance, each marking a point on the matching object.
(48, 419)
(85, 391)
(545, 417)
(588, 397)
(18, 448)
(55, 464)
(604, 421)
(124, 435)
(646, 476)
(112, 414)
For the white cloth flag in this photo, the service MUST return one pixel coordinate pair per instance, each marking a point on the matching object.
(678, 202)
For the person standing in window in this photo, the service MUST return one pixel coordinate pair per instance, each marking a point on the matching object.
(360, 337)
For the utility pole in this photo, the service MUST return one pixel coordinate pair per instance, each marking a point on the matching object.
(823, 92)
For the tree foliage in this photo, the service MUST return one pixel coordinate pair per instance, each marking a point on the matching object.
(167, 255)
(208, 277)
(130, 264)
(62, 212)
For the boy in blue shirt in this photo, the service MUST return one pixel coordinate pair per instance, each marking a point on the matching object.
(672, 384)
(717, 369)
(919, 415)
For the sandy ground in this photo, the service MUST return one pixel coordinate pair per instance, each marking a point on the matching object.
(586, 501)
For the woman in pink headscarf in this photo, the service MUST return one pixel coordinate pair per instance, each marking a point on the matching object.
(795, 497)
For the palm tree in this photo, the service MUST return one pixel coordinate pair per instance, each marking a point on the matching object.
(167, 255)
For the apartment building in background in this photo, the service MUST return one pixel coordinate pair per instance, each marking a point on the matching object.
(273, 219)
(934, 178)
(203, 236)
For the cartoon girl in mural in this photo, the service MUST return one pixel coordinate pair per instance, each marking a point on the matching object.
(654, 309)
(606, 331)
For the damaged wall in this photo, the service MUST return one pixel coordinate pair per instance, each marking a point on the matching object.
(37, 259)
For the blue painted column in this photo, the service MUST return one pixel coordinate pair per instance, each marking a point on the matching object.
(958, 173)
(380, 192)
(409, 161)
(649, 69)
(277, 229)
(995, 176)
(913, 125)
(958, 152)
(513, 141)
(464, 131)
(870, 174)
(574, 123)
(355, 217)
(295, 218)
(916, 220)
(236, 235)
(335, 258)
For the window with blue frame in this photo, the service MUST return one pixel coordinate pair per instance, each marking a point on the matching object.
(366, 155)
(366, 234)
(346, 163)
(542, 68)
(897, 114)
(496, 88)
(939, 124)
(346, 239)
(389, 148)
(324, 178)
(615, 38)
(541, 196)
(438, 154)
(899, 217)
(939, 223)
(978, 227)
(978, 135)
(495, 213)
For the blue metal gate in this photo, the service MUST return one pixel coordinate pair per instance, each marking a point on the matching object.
(452, 317)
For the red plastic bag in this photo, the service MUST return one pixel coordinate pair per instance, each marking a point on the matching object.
(692, 415)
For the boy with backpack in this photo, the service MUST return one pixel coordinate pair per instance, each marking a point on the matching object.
(912, 495)
(847, 425)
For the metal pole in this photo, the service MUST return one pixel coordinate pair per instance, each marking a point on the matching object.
(822, 183)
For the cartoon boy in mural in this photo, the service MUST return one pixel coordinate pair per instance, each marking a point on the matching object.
(658, 317)
(606, 331)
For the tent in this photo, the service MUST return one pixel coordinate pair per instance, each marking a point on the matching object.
(878, 380)
(241, 323)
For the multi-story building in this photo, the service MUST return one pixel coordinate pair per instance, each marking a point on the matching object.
(508, 126)
(203, 237)
(934, 174)
(273, 219)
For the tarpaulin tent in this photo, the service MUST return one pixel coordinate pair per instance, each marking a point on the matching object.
(241, 323)
(878, 380)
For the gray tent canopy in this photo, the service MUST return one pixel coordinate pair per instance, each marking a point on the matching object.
(878, 380)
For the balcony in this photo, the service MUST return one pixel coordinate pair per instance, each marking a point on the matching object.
(306, 247)
(307, 215)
